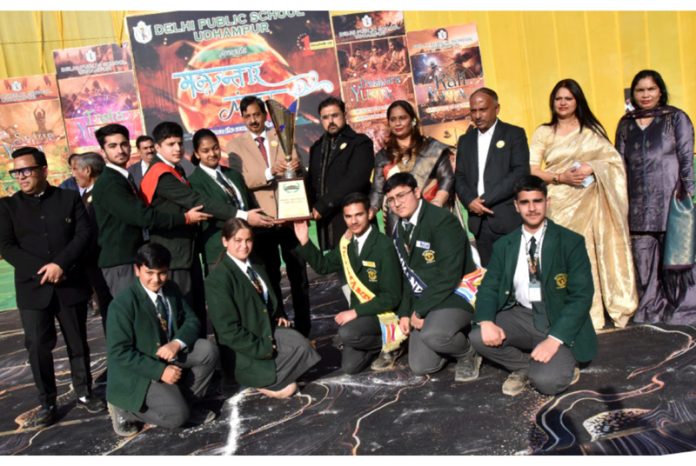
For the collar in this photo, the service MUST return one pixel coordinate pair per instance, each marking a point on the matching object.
(527, 236)
(489, 131)
(243, 265)
(264, 135)
(120, 170)
(152, 295)
(414, 218)
(166, 162)
(362, 238)
(88, 189)
(212, 172)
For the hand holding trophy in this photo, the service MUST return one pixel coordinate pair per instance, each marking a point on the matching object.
(291, 197)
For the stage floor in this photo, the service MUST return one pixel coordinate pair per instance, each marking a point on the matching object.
(637, 397)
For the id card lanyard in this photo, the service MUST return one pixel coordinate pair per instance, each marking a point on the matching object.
(534, 292)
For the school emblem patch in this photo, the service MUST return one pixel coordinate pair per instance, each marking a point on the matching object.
(372, 275)
(429, 256)
(561, 280)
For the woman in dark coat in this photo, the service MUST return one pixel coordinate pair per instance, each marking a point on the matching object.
(656, 141)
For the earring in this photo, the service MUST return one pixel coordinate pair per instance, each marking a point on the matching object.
(413, 123)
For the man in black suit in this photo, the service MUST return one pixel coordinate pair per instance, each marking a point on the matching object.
(146, 148)
(340, 163)
(43, 234)
(490, 159)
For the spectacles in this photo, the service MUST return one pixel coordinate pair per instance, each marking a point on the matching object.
(23, 172)
(398, 197)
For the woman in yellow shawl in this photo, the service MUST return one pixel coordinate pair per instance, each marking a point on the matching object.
(588, 195)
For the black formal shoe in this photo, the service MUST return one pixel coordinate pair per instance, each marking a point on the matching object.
(121, 426)
(467, 368)
(91, 403)
(44, 417)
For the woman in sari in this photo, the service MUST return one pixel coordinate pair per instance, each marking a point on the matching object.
(656, 141)
(572, 153)
(407, 150)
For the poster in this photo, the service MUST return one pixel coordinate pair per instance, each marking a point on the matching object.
(195, 67)
(30, 115)
(97, 88)
(374, 67)
(446, 70)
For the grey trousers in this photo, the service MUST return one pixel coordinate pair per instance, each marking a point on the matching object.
(442, 335)
(362, 341)
(168, 405)
(295, 356)
(521, 337)
(118, 278)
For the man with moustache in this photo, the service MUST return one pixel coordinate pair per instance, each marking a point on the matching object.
(146, 148)
(257, 155)
(340, 163)
(491, 157)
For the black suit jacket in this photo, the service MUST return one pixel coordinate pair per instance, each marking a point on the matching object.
(35, 231)
(349, 169)
(137, 171)
(507, 161)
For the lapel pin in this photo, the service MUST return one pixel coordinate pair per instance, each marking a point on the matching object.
(500, 144)
(343, 146)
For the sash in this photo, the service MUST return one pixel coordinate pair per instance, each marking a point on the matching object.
(417, 284)
(468, 287)
(151, 178)
(388, 321)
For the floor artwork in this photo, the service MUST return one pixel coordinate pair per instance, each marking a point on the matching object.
(637, 397)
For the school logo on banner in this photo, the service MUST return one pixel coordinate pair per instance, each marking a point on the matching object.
(16, 86)
(142, 33)
(91, 56)
(367, 21)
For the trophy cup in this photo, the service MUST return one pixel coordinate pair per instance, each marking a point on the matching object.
(291, 196)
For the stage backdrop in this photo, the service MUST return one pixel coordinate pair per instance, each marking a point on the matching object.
(195, 67)
(375, 69)
(30, 116)
(97, 87)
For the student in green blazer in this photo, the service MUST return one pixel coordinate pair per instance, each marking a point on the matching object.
(243, 309)
(157, 364)
(434, 254)
(373, 260)
(536, 297)
(222, 184)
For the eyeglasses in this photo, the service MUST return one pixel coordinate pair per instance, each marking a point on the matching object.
(398, 197)
(23, 172)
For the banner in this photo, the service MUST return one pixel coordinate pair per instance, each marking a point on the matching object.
(446, 70)
(97, 87)
(375, 69)
(195, 67)
(30, 116)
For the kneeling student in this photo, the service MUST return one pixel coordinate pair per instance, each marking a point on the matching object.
(157, 364)
(244, 312)
(536, 297)
(370, 267)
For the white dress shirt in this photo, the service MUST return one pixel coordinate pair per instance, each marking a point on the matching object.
(243, 265)
(484, 143)
(120, 170)
(153, 297)
(361, 239)
(413, 220)
(241, 213)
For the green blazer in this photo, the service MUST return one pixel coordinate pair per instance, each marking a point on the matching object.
(176, 197)
(133, 339)
(567, 288)
(377, 266)
(440, 255)
(210, 237)
(121, 216)
(243, 322)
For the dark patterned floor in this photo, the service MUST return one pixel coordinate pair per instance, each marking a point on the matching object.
(637, 397)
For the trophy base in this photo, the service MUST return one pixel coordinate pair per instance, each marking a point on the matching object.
(292, 200)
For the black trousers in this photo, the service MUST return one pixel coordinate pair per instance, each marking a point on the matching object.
(40, 340)
(485, 237)
(267, 242)
(100, 288)
(190, 282)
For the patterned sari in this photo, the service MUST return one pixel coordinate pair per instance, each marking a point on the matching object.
(598, 212)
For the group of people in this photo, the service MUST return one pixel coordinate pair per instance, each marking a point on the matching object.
(170, 246)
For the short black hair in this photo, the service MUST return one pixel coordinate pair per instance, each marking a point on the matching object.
(110, 130)
(166, 130)
(399, 179)
(331, 101)
(486, 90)
(250, 100)
(153, 256)
(356, 198)
(142, 139)
(530, 183)
(39, 157)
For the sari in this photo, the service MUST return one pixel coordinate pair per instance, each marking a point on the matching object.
(598, 212)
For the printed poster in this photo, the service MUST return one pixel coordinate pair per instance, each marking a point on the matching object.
(375, 69)
(195, 67)
(446, 70)
(30, 115)
(97, 87)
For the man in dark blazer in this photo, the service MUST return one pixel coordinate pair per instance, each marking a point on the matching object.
(434, 255)
(146, 149)
(491, 157)
(122, 217)
(536, 297)
(257, 155)
(340, 163)
(43, 233)
(373, 261)
(157, 364)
